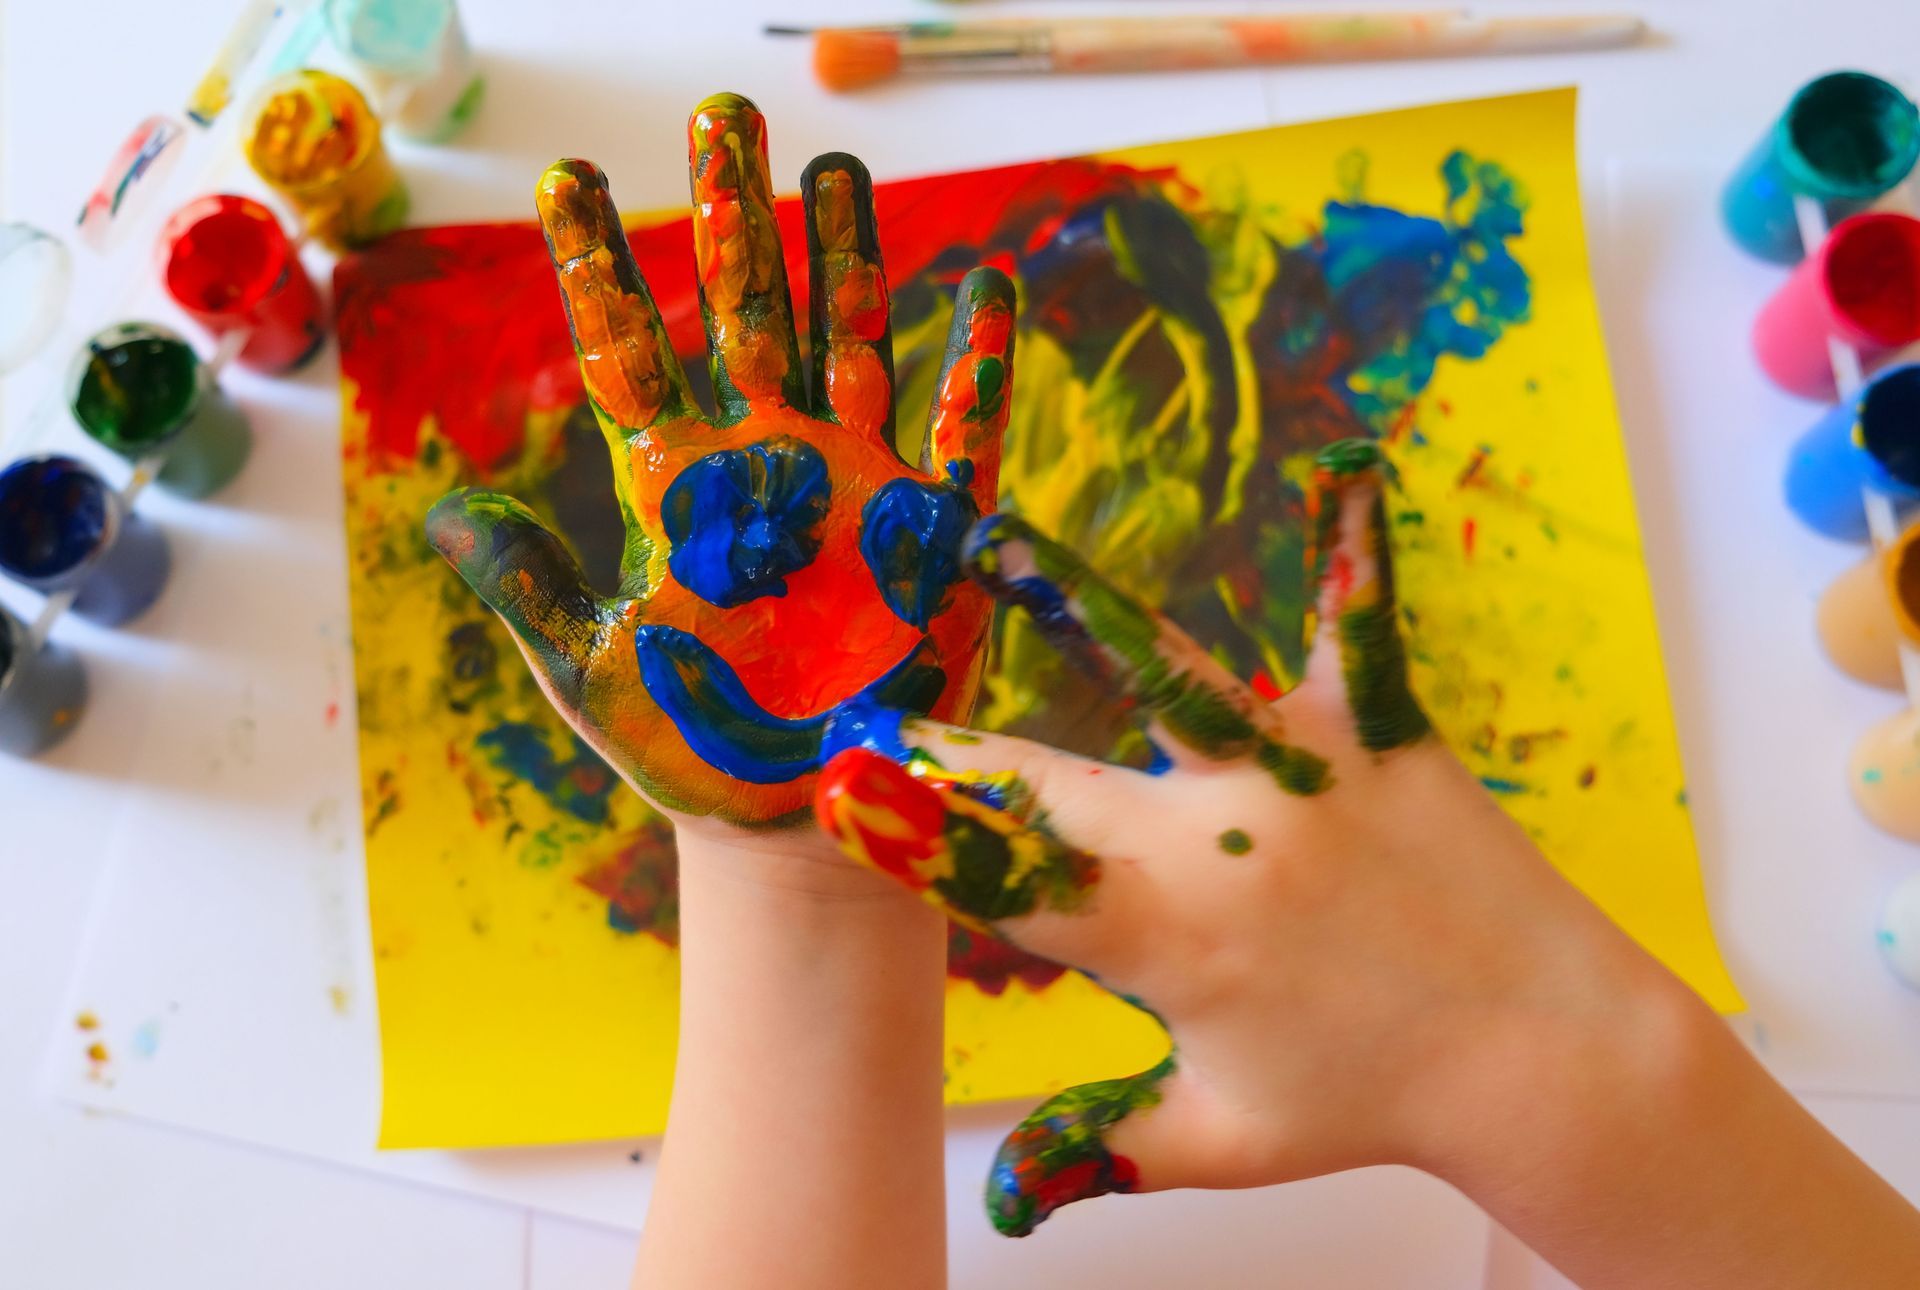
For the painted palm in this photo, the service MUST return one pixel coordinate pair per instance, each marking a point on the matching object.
(783, 568)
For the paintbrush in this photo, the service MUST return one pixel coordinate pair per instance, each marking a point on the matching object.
(849, 58)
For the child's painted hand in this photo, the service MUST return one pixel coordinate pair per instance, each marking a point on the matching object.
(1344, 936)
(783, 566)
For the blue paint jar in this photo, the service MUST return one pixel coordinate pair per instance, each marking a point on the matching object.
(1844, 139)
(62, 528)
(42, 691)
(1869, 441)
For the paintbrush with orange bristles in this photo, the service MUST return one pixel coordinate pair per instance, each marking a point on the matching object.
(851, 57)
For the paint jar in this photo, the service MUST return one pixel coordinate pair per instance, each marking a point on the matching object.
(1861, 287)
(1899, 931)
(1871, 441)
(1844, 139)
(1857, 626)
(140, 390)
(1884, 773)
(134, 177)
(42, 691)
(226, 262)
(414, 59)
(35, 274)
(63, 528)
(315, 140)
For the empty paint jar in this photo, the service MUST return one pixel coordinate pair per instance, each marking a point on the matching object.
(414, 59)
(315, 140)
(140, 390)
(225, 261)
(35, 273)
(1871, 441)
(64, 529)
(1843, 140)
(1861, 287)
(42, 691)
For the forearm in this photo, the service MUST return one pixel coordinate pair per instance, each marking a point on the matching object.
(804, 1146)
(1664, 1155)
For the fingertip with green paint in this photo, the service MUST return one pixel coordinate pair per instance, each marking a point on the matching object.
(1059, 1154)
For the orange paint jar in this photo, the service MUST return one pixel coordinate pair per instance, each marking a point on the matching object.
(315, 140)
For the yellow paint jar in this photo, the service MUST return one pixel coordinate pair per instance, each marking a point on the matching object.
(315, 140)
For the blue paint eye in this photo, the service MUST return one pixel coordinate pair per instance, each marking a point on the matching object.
(740, 521)
(910, 535)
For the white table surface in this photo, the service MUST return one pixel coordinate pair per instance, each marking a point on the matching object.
(1794, 877)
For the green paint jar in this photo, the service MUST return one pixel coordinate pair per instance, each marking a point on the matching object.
(139, 390)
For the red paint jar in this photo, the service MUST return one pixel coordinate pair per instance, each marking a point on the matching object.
(226, 261)
(1861, 286)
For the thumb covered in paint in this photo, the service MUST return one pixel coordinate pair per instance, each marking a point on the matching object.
(524, 573)
(1141, 1133)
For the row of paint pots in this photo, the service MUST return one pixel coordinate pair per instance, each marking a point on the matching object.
(141, 391)
(1845, 142)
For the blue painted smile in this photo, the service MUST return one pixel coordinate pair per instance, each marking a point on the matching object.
(704, 698)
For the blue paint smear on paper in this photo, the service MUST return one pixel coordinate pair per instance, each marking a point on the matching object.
(579, 785)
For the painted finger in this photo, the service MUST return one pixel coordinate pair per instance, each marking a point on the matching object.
(736, 246)
(1091, 1140)
(1357, 614)
(1194, 704)
(631, 373)
(852, 339)
(1084, 797)
(521, 570)
(975, 389)
(968, 849)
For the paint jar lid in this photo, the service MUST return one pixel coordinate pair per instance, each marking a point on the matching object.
(308, 130)
(222, 254)
(1889, 425)
(35, 274)
(56, 517)
(134, 386)
(1849, 134)
(1870, 265)
(402, 37)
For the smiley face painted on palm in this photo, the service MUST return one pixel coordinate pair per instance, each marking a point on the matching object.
(784, 570)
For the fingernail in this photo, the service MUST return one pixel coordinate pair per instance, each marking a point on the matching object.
(881, 816)
(1349, 457)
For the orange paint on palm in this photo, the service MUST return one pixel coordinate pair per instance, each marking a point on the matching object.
(774, 643)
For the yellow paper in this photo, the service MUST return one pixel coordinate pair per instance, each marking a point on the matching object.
(513, 1012)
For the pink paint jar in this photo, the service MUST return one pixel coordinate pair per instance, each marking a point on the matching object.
(226, 261)
(1862, 286)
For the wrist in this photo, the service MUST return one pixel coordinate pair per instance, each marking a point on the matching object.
(799, 867)
(1575, 1098)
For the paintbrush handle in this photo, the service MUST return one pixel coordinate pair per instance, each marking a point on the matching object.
(1129, 45)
